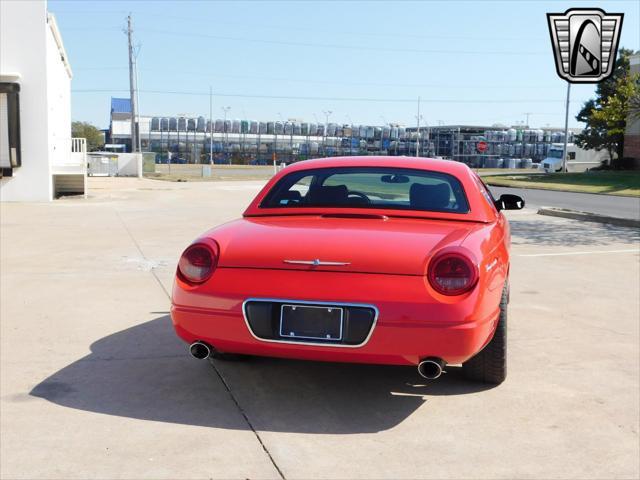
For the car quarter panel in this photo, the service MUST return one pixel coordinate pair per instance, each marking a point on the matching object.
(491, 245)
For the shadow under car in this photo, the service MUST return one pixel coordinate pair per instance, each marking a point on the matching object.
(145, 372)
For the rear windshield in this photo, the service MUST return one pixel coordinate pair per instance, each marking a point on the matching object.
(369, 187)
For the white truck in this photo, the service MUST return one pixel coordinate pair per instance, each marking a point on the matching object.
(578, 159)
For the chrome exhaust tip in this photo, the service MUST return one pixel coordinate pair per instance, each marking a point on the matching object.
(431, 368)
(199, 350)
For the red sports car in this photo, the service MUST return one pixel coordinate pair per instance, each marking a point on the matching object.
(386, 260)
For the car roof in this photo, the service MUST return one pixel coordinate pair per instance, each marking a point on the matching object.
(419, 163)
(480, 209)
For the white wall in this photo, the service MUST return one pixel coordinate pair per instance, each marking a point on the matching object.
(128, 164)
(23, 31)
(28, 48)
(121, 127)
(59, 103)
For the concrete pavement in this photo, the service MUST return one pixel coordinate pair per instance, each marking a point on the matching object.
(95, 384)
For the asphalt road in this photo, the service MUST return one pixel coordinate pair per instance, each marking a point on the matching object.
(615, 206)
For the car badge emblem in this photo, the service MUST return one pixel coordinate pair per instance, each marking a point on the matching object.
(585, 43)
(316, 263)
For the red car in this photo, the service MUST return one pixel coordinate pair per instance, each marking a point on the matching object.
(385, 260)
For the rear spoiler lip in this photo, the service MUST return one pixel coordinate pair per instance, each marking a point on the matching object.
(365, 216)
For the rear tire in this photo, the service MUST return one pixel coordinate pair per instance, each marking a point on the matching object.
(490, 365)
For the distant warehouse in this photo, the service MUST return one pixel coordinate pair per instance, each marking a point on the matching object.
(191, 139)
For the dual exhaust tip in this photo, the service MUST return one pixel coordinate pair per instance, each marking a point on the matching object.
(431, 368)
(200, 350)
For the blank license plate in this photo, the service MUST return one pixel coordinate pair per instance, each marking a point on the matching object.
(310, 322)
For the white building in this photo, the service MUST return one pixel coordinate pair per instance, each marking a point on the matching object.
(35, 107)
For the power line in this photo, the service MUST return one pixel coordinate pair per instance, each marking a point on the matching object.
(306, 29)
(338, 46)
(102, 68)
(356, 84)
(93, 29)
(326, 82)
(302, 97)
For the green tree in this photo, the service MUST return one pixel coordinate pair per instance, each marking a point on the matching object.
(606, 115)
(95, 138)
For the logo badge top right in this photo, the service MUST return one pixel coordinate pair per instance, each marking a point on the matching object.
(585, 43)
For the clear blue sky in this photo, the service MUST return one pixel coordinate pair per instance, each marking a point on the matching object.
(472, 62)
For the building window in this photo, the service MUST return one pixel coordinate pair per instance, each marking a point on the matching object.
(10, 157)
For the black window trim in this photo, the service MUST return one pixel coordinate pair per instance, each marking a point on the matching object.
(12, 90)
(312, 171)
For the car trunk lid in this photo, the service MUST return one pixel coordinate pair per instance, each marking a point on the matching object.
(366, 244)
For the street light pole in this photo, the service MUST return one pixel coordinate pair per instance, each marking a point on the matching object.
(210, 125)
(275, 137)
(384, 123)
(326, 128)
(226, 131)
(566, 129)
(418, 131)
(351, 136)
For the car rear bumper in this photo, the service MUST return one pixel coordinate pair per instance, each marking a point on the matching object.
(411, 325)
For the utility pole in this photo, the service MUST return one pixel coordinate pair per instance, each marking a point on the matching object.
(384, 124)
(351, 137)
(137, 117)
(527, 115)
(210, 125)
(226, 133)
(418, 132)
(566, 129)
(275, 136)
(132, 88)
(326, 128)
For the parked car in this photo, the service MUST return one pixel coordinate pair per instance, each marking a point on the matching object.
(383, 260)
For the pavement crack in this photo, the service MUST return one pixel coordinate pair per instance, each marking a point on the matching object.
(246, 419)
(220, 376)
(137, 245)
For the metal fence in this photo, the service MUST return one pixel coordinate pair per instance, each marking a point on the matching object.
(249, 153)
(242, 147)
(101, 165)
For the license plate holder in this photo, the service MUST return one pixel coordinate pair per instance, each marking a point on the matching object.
(311, 322)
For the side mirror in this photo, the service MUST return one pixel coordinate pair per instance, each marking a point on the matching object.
(509, 202)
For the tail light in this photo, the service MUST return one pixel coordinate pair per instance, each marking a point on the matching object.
(198, 262)
(452, 273)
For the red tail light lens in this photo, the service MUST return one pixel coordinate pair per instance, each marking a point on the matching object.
(452, 274)
(197, 263)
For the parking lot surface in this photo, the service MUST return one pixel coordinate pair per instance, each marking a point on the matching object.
(94, 383)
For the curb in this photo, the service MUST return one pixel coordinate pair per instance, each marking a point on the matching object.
(589, 217)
